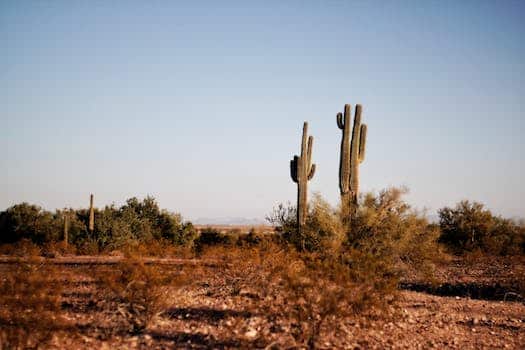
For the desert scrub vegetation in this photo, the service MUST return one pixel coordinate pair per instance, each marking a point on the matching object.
(210, 236)
(385, 239)
(320, 291)
(139, 291)
(30, 311)
(333, 268)
(28, 221)
(135, 222)
(23, 247)
(385, 228)
(323, 229)
(300, 293)
(469, 226)
(388, 232)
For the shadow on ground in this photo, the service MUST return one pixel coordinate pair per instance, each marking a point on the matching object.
(204, 314)
(466, 290)
(205, 341)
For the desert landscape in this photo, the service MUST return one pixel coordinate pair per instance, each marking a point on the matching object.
(209, 305)
(235, 287)
(268, 175)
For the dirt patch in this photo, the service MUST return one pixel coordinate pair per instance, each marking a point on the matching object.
(207, 314)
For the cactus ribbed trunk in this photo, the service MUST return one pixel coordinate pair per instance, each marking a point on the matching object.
(352, 154)
(91, 215)
(302, 170)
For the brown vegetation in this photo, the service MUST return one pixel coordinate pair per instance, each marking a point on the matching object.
(30, 310)
(266, 295)
(139, 291)
(329, 285)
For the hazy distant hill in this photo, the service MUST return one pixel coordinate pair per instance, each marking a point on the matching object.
(240, 221)
(237, 221)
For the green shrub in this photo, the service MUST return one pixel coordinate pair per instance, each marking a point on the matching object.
(252, 238)
(136, 221)
(323, 230)
(388, 230)
(210, 236)
(469, 226)
(26, 221)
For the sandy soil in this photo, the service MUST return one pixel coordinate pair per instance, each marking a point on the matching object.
(204, 315)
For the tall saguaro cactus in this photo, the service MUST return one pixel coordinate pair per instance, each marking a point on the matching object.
(302, 170)
(91, 215)
(352, 154)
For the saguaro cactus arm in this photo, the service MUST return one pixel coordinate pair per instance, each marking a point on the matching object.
(293, 168)
(362, 143)
(302, 165)
(354, 147)
(340, 121)
(309, 151)
(344, 122)
(312, 172)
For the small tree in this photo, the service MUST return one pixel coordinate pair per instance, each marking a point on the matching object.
(470, 226)
(389, 235)
(26, 221)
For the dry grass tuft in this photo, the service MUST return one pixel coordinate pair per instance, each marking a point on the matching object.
(23, 247)
(311, 291)
(30, 306)
(140, 290)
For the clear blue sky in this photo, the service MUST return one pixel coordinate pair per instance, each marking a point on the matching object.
(201, 104)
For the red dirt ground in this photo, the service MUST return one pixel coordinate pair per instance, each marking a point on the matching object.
(205, 315)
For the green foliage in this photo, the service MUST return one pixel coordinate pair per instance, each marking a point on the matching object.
(389, 235)
(210, 236)
(252, 238)
(322, 230)
(26, 221)
(385, 239)
(469, 226)
(136, 221)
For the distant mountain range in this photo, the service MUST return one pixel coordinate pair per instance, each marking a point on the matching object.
(230, 221)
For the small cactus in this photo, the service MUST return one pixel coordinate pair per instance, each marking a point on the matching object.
(352, 154)
(91, 215)
(302, 170)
